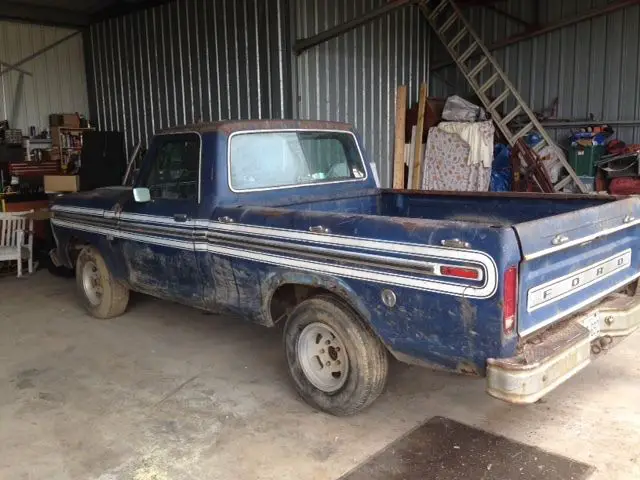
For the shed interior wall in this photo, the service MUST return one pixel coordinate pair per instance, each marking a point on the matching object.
(57, 81)
(592, 67)
(353, 77)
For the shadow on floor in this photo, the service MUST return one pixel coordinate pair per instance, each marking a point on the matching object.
(442, 449)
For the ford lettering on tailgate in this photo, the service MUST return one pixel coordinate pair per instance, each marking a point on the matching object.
(564, 286)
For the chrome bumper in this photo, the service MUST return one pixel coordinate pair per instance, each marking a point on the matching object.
(559, 353)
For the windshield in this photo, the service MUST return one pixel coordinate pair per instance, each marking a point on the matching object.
(264, 160)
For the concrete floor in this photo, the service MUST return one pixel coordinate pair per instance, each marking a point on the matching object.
(166, 392)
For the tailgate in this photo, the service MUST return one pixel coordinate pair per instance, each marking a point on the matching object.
(574, 259)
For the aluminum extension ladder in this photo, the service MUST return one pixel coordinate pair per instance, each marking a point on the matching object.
(489, 82)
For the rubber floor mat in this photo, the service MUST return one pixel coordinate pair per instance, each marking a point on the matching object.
(442, 449)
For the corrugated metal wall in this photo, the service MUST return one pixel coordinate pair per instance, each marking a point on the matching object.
(57, 83)
(592, 68)
(353, 78)
(189, 61)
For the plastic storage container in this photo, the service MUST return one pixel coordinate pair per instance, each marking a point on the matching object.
(589, 182)
(583, 158)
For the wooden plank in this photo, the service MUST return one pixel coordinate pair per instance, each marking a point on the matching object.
(417, 162)
(412, 149)
(398, 154)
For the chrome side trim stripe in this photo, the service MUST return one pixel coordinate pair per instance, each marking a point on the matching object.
(78, 210)
(349, 272)
(406, 272)
(138, 237)
(578, 241)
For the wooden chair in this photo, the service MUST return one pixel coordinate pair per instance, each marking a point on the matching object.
(16, 238)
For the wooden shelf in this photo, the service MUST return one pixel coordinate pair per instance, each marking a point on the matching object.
(67, 152)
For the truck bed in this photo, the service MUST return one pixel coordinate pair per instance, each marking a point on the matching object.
(573, 250)
(486, 209)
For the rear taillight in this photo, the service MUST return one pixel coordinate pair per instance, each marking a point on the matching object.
(510, 300)
(460, 272)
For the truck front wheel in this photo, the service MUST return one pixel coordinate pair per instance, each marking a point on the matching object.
(338, 365)
(101, 294)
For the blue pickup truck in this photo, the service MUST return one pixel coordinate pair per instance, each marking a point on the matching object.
(284, 221)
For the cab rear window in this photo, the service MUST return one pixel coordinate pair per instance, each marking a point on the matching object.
(279, 159)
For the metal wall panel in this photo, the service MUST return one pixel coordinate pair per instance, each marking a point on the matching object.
(353, 77)
(592, 68)
(188, 61)
(57, 83)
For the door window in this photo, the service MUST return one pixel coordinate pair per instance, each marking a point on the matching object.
(174, 172)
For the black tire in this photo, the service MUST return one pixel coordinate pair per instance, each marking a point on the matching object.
(114, 298)
(367, 357)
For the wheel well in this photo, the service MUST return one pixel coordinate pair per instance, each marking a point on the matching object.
(74, 245)
(287, 296)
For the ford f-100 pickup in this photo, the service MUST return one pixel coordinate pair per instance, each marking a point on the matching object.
(284, 221)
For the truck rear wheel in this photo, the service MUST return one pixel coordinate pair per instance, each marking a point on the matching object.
(101, 294)
(338, 365)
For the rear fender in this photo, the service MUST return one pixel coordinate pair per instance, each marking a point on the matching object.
(333, 285)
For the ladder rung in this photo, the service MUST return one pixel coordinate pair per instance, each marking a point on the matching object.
(438, 10)
(499, 99)
(458, 37)
(562, 183)
(487, 85)
(467, 53)
(483, 98)
(511, 115)
(484, 61)
(540, 145)
(522, 132)
(450, 21)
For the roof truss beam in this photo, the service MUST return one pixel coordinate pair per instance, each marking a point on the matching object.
(17, 11)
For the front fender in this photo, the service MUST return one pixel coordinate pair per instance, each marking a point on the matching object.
(66, 239)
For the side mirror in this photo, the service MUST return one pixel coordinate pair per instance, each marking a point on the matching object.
(141, 195)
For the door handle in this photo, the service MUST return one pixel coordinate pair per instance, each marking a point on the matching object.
(180, 217)
(225, 219)
(318, 229)
(628, 219)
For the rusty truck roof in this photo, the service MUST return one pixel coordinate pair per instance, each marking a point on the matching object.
(230, 126)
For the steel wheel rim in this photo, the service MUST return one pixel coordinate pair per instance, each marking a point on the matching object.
(92, 283)
(322, 357)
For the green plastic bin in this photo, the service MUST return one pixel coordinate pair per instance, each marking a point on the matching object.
(583, 158)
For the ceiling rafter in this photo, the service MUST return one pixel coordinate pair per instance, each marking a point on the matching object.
(41, 14)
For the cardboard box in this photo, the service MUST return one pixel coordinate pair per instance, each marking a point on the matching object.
(61, 183)
(70, 120)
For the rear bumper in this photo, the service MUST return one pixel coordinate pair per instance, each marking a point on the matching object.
(559, 353)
